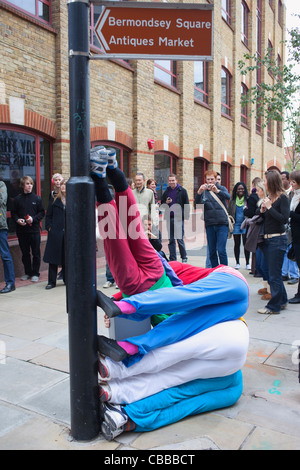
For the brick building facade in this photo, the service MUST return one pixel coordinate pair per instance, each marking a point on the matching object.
(192, 111)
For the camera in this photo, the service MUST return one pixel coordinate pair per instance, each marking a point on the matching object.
(208, 186)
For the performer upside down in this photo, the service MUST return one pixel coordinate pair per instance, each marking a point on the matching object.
(211, 298)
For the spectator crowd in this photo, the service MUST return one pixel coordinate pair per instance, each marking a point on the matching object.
(262, 221)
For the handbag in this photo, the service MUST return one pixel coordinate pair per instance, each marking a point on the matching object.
(230, 219)
(291, 254)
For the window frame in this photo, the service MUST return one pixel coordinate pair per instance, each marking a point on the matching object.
(226, 107)
(36, 15)
(172, 73)
(205, 91)
(245, 23)
(226, 12)
(244, 109)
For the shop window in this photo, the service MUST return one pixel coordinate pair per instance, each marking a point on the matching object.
(39, 9)
(165, 71)
(201, 81)
(123, 155)
(225, 92)
(164, 164)
(24, 154)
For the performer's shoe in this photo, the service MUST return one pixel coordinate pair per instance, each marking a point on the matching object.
(98, 161)
(108, 305)
(109, 347)
(114, 415)
(104, 392)
(111, 158)
(103, 368)
(108, 433)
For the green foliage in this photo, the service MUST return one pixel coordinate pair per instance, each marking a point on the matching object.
(278, 97)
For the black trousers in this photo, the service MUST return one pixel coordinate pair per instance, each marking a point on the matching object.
(52, 273)
(30, 244)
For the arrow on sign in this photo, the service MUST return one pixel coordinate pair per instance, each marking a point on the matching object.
(99, 26)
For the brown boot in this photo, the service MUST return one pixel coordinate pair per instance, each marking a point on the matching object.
(262, 291)
(267, 296)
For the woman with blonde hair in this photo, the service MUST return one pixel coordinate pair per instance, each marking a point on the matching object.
(55, 225)
(275, 211)
(261, 265)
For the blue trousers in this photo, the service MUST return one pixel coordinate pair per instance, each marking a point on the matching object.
(191, 398)
(8, 265)
(274, 250)
(214, 299)
(216, 241)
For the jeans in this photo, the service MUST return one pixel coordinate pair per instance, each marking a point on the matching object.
(290, 268)
(173, 236)
(274, 250)
(216, 241)
(8, 265)
(108, 274)
(261, 265)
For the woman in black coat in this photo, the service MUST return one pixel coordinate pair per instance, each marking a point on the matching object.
(295, 224)
(55, 225)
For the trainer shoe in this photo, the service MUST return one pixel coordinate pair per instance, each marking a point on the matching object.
(98, 161)
(267, 311)
(103, 368)
(108, 433)
(104, 391)
(108, 284)
(111, 158)
(113, 415)
(34, 279)
(25, 277)
(237, 266)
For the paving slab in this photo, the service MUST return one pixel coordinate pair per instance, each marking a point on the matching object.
(34, 385)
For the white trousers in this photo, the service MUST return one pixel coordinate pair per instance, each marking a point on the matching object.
(218, 351)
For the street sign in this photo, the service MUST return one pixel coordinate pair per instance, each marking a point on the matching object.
(139, 30)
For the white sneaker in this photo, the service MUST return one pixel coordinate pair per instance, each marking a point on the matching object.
(98, 161)
(114, 415)
(25, 278)
(34, 279)
(117, 287)
(248, 266)
(237, 266)
(108, 433)
(108, 284)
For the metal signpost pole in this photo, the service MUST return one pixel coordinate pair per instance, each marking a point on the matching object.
(80, 237)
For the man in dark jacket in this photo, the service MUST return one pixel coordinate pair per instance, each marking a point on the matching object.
(215, 217)
(176, 197)
(28, 211)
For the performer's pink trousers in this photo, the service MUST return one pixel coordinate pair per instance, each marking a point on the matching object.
(133, 261)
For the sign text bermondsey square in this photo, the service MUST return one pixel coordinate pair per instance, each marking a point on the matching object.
(155, 30)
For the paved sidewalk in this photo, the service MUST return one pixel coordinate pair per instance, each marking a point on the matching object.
(34, 386)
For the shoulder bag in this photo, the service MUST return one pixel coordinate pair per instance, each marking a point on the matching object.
(230, 219)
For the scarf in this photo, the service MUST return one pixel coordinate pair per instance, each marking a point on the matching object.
(295, 200)
(239, 201)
